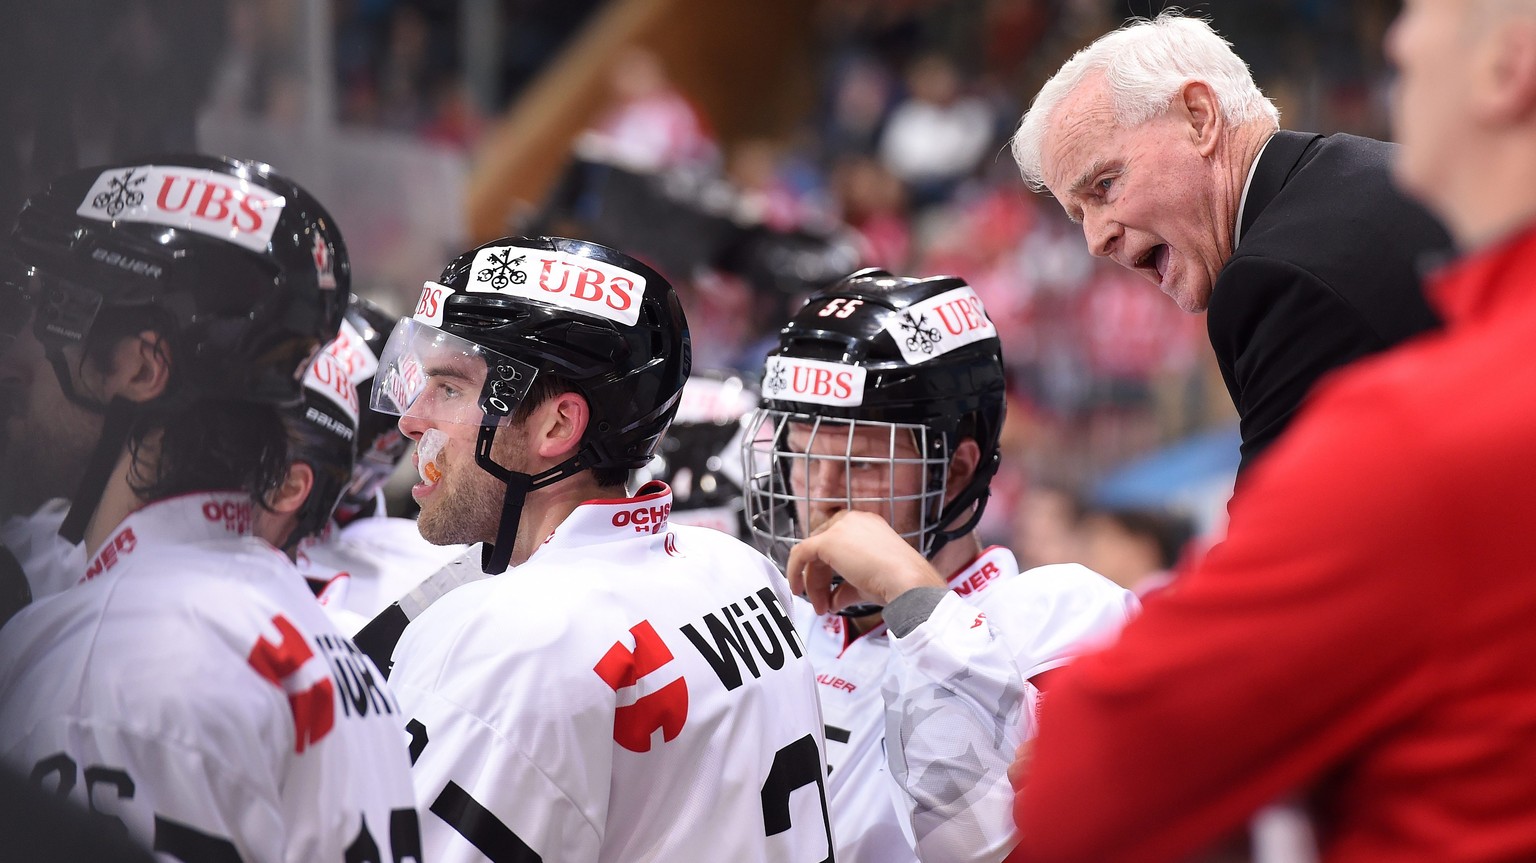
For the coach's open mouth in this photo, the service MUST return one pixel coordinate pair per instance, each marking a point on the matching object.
(1154, 260)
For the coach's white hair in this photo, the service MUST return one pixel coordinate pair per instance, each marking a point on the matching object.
(1144, 64)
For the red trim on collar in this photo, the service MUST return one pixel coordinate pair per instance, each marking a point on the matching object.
(849, 638)
(649, 491)
(978, 574)
(974, 560)
(603, 520)
(847, 630)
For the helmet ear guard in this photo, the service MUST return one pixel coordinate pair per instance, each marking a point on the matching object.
(876, 351)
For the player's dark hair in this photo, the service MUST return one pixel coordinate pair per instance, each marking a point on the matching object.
(210, 444)
(108, 331)
(204, 444)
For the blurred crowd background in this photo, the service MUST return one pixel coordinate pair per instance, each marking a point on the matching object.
(751, 150)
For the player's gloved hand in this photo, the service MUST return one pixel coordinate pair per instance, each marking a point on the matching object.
(875, 563)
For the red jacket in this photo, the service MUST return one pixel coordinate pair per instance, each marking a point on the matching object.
(1365, 638)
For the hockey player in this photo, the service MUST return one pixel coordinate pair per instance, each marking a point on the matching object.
(885, 399)
(380, 445)
(360, 559)
(38, 480)
(322, 448)
(628, 689)
(188, 686)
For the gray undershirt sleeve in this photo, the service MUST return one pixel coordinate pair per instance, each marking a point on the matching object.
(908, 611)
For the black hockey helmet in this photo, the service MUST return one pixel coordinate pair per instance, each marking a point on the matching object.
(902, 355)
(249, 270)
(322, 433)
(250, 266)
(596, 318)
(380, 444)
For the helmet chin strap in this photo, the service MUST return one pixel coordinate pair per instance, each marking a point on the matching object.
(495, 557)
(117, 423)
(67, 383)
(862, 609)
(115, 428)
(943, 537)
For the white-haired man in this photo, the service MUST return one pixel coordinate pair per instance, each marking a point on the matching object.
(1361, 643)
(1157, 140)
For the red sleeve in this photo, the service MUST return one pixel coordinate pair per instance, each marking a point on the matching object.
(1252, 675)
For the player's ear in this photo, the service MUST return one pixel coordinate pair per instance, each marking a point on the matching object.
(557, 426)
(294, 490)
(139, 368)
(962, 468)
(278, 515)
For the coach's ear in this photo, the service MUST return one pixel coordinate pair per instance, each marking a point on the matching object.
(962, 468)
(1197, 105)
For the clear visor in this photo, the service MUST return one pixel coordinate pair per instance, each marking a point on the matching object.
(435, 376)
(802, 469)
(59, 311)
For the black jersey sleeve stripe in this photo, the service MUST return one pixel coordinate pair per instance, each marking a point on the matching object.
(378, 638)
(481, 827)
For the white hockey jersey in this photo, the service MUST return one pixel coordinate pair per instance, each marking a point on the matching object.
(874, 680)
(632, 692)
(192, 689)
(368, 564)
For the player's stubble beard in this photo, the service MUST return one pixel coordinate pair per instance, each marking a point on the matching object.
(45, 440)
(467, 508)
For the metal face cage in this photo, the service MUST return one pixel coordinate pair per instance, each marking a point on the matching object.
(800, 469)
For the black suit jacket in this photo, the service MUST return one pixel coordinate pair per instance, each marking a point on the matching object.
(1326, 270)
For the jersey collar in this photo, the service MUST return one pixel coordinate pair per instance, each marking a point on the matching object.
(600, 521)
(983, 570)
(181, 520)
